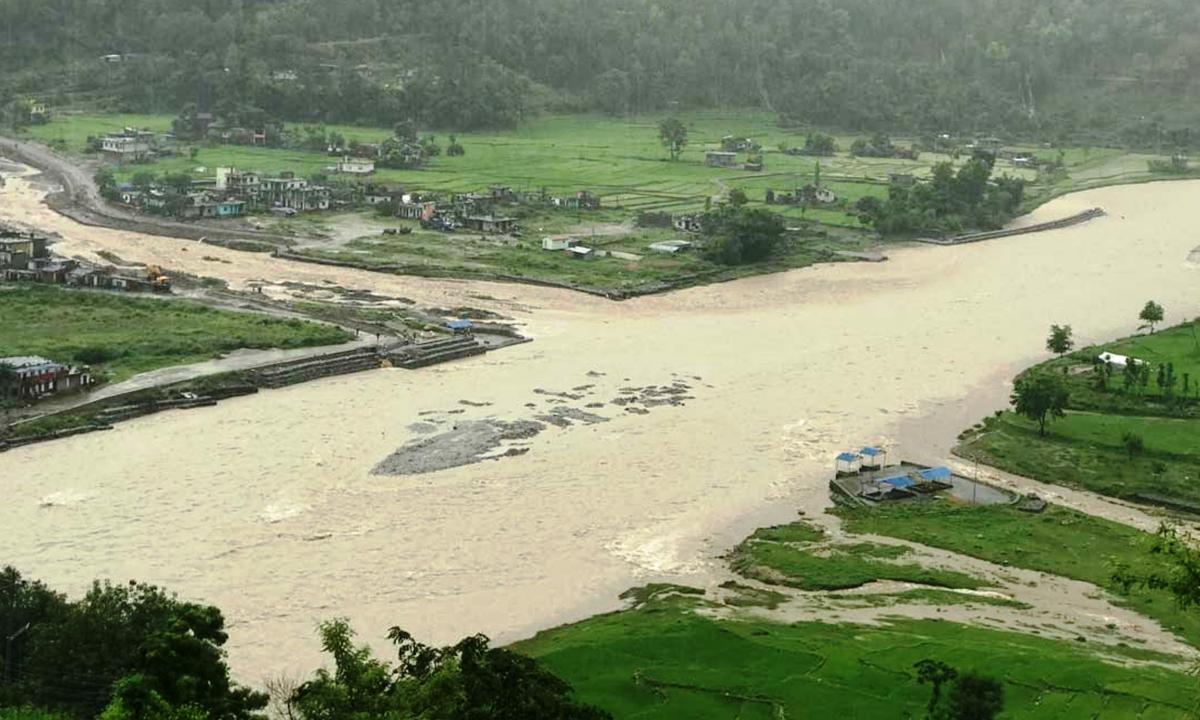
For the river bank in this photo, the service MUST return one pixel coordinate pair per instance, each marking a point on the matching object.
(283, 523)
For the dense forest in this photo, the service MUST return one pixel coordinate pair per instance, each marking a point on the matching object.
(1102, 68)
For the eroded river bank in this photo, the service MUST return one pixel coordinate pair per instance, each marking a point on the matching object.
(269, 507)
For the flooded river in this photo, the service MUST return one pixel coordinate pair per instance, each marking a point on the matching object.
(268, 508)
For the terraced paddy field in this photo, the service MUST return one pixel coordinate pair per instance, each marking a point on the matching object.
(619, 159)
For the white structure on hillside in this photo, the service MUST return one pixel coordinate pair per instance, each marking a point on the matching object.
(1119, 361)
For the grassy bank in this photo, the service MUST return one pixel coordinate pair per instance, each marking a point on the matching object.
(795, 556)
(1088, 448)
(1059, 541)
(664, 660)
(120, 335)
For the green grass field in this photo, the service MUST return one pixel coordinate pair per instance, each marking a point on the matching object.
(134, 335)
(665, 661)
(1086, 449)
(792, 557)
(1060, 541)
(619, 159)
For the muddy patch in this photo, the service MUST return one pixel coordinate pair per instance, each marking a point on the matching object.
(469, 442)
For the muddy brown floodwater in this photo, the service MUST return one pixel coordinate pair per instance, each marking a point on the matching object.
(268, 506)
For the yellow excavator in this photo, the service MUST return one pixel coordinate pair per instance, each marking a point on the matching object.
(158, 278)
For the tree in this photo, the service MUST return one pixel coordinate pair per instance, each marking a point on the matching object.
(1060, 341)
(737, 197)
(974, 697)
(674, 136)
(468, 680)
(74, 653)
(455, 149)
(1152, 314)
(1041, 397)
(1134, 443)
(936, 674)
(737, 235)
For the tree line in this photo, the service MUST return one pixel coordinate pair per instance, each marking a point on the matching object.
(1114, 68)
(136, 652)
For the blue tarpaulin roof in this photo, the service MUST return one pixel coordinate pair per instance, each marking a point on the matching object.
(459, 324)
(847, 457)
(870, 451)
(938, 473)
(899, 481)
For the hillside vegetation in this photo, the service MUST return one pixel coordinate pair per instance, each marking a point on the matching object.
(1112, 68)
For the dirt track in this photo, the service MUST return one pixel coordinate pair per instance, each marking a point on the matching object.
(81, 201)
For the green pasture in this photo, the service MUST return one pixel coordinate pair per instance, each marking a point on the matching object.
(121, 336)
(665, 660)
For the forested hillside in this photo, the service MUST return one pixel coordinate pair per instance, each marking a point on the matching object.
(1101, 68)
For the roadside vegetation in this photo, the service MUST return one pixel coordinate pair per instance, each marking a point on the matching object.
(1130, 431)
(120, 336)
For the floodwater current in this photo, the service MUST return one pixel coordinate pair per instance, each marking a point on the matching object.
(267, 506)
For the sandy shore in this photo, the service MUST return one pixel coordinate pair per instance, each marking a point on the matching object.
(268, 507)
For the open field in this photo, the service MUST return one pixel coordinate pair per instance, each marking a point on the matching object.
(664, 660)
(1060, 541)
(1086, 451)
(619, 159)
(120, 336)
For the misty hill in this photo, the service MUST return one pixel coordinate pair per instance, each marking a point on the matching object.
(1101, 68)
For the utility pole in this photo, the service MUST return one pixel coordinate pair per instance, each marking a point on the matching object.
(8, 658)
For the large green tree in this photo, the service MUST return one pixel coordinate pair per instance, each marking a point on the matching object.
(673, 135)
(1041, 397)
(71, 655)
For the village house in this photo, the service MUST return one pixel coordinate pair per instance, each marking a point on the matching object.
(558, 243)
(720, 159)
(128, 146)
(490, 224)
(18, 250)
(355, 166)
(292, 193)
(38, 377)
(812, 195)
(671, 247)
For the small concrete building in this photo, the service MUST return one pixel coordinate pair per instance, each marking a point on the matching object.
(720, 159)
(355, 166)
(38, 377)
(671, 247)
(129, 145)
(558, 243)
(491, 224)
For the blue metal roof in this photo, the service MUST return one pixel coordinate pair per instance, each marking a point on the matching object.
(899, 481)
(459, 324)
(870, 451)
(847, 457)
(938, 473)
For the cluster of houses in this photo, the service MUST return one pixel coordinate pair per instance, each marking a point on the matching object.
(24, 257)
(809, 195)
(476, 212)
(37, 377)
(231, 194)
